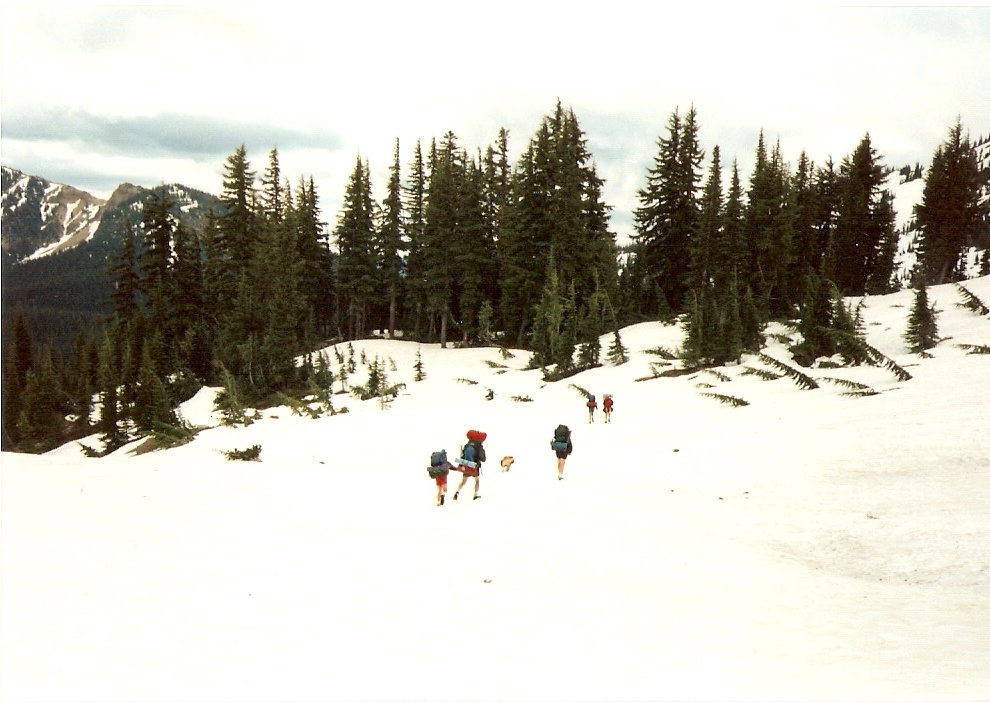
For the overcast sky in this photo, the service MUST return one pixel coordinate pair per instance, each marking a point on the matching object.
(96, 95)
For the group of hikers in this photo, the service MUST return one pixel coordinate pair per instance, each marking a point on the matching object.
(592, 405)
(472, 455)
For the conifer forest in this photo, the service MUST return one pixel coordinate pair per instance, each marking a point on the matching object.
(467, 248)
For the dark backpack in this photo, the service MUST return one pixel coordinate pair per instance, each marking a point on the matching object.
(560, 438)
(438, 464)
(468, 453)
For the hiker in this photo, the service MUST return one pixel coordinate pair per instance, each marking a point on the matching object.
(562, 446)
(472, 456)
(607, 408)
(438, 470)
(592, 406)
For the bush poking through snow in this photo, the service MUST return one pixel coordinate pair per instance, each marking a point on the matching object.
(975, 348)
(762, 373)
(248, 454)
(971, 301)
(800, 379)
(850, 384)
(717, 373)
(873, 356)
(726, 399)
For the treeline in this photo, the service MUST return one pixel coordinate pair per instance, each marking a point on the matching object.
(469, 248)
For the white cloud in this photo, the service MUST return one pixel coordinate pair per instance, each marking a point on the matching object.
(818, 79)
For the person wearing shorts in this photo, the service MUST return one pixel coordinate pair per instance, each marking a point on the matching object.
(562, 455)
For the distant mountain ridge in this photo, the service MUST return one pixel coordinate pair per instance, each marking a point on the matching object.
(42, 218)
(56, 244)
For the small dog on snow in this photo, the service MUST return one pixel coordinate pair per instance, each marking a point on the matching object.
(507, 462)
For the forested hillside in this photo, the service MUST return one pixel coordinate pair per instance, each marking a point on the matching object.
(466, 247)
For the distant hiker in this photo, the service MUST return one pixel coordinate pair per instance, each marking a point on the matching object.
(562, 446)
(592, 406)
(438, 470)
(607, 408)
(471, 458)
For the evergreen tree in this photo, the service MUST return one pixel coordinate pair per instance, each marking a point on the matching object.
(18, 362)
(617, 351)
(922, 327)
(42, 411)
(864, 222)
(152, 407)
(355, 237)
(113, 433)
(951, 212)
(548, 321)
(472, 250)
(315, 260)
(768, 233)
(391, 242)
(124, 279)
(158, 284)
(415, 208)
(668, 215)
(194, 348)
(440, 229)
(80, 381)
(555, 204)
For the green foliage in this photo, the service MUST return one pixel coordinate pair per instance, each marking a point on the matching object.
(228, 402)
(168, 436)
(717, 374)
(975, 348)
(726, 399)
(617, 352)
(252, 453)
(419, 373)
(922, 328)
(850, 384)
(664, 353)
(872, 355)
(521, 398)
(800, 379)
(762, 373)
(583, 392)
(971, 301)
(952, 210)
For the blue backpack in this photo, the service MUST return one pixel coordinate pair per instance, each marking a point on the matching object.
(561, 435)
(469, 455)
(438, 464)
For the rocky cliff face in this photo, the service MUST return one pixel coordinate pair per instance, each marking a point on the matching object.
(42, 218)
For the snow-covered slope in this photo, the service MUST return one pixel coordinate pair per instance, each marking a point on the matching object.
(811, 544)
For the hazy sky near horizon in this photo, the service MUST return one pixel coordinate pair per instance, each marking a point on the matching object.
(95, 95)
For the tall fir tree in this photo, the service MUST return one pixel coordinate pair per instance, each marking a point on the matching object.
(864, 222)
(951, 212)
(391, 242)
(415, 198)
(18, 362)
(355, 239)
(555, 204)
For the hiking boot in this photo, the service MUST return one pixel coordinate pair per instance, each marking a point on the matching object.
(441, 499)
(456, 494)
(476, 497)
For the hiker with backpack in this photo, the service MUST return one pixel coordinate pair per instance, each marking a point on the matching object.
(470, 460)
(562, 446)
(592, 406)
(438, 470)
(607, 408)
